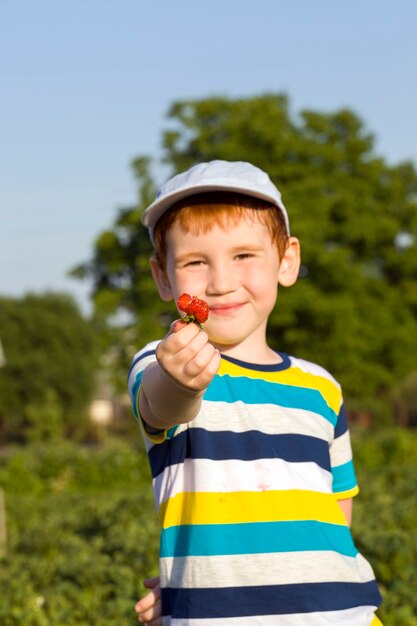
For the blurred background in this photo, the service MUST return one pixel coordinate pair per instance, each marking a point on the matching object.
(101, 103)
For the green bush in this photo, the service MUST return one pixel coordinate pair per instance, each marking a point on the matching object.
(83, 532)
(48, 380)
(65, 466)
(78, 558)
(384, 525)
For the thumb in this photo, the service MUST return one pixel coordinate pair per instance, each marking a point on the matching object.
(176, 326)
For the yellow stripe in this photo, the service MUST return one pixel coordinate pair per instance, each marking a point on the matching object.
(293, 377)
(245, 506)
(376, 621)
(158, 437)
(350, 493)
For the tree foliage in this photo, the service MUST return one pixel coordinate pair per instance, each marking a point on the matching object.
(50, 366)
(354, 308)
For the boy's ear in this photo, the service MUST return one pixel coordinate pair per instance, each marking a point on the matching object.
(290, 263)
(161, 280)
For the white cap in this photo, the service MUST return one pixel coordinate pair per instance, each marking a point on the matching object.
(236, 176)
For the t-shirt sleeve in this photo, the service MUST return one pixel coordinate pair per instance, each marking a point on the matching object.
(345, 484)
(140, 361)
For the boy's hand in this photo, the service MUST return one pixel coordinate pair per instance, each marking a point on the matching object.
(187, 357)
(148, 608)
(172, 387)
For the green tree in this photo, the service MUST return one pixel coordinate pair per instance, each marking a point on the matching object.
(354, 308)
(51, 360)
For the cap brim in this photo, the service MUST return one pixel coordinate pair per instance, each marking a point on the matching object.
(159, 206)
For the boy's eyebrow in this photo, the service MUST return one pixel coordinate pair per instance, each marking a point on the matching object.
(251, 247)
(188, 255)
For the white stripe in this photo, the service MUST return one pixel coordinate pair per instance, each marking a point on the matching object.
(206, 475)
(244, 570)
(358, 616)
(341, 450)
(313, 368)
(266, 418)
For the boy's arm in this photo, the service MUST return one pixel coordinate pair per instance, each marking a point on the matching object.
(172, 388)
(347, 507)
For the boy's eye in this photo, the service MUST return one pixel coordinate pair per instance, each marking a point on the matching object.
(244, 255)
(194, 263)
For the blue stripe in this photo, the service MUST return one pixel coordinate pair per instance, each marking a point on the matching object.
(135, 390)
(255, 538)
(258, 391)
(276, 367)
(198, 443)
(210, 603)
(344, 477)
(341, 426)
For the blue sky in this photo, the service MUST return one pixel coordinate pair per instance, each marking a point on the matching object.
(86, 85)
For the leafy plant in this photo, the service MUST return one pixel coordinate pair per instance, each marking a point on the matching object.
(83, 532)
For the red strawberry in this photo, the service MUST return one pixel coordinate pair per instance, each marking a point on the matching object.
(184, 302)
(197, 310)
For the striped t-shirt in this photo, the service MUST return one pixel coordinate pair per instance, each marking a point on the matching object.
(251, 531)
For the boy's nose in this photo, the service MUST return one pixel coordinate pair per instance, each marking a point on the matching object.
(221, 280)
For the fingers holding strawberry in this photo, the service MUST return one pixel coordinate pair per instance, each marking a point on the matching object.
(187, 357)
(202, 365)
(186, 362)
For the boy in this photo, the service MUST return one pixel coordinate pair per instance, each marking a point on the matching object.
(249, 448)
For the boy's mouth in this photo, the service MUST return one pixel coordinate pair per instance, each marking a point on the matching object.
(226, 308)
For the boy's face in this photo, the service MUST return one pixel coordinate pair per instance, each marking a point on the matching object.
(236, 270)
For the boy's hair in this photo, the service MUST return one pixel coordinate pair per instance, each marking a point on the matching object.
(200, 212)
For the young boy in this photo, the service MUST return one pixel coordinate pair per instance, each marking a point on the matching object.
(249, 448)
